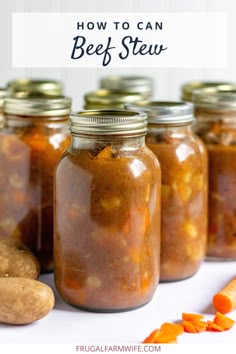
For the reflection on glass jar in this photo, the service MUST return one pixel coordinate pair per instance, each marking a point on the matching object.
(215, 111)
(34, 136)
(183, 160)
(107, 214)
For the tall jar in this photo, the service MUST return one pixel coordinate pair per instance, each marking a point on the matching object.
(107, 214)
(34, 136)
(215, 112)
(183, 160)
(142, 85)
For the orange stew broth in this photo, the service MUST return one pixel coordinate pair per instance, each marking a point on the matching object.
(183, 162)
(28, 156)
(107, 228)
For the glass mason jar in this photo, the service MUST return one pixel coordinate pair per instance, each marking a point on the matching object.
(34, 136)
(183, 160)
(26, 87)
(125, 84)
(104, 99)
(107, 214)
(189, 87)
(215, 112)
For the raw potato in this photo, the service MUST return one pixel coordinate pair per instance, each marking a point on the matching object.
(16, 260)
(24, 301)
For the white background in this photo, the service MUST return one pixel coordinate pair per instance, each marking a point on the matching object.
(78, 81)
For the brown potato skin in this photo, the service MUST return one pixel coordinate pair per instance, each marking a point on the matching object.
(16, 260)
(23, 301)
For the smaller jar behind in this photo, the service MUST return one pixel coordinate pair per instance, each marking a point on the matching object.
(215, 111)
(34, 135)
(183, 160)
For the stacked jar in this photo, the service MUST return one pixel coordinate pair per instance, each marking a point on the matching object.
(183, 160)
(107, 213)
(34, 135)
(215, 111)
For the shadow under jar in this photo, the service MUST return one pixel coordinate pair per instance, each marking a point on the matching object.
(107, 214)
(33, 138)
(183, 161)
(215, 111)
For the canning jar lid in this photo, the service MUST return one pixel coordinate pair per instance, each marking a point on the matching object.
(3, 93)
(49, 106)
(111, 99)
(165, 112)
(138, 84)
(189, 87)
(108, 122)
(215, 98)
(35, 86)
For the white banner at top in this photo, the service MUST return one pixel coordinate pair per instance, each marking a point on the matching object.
(119, 40)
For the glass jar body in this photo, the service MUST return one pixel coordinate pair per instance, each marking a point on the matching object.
(183, 161)
(217, 128)
(30, 148)
(107, 223)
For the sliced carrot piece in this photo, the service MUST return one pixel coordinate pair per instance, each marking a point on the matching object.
(172, 328)
(164, 337)
(212, 326)
(223, 321)
(152, 337)
(191, 316)
(194, 326)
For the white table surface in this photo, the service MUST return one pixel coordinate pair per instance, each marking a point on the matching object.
(67, 325)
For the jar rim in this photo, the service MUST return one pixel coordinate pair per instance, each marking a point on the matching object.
(127, 84)
(165, 112)
(108, 122)
(189, 87)
(215, 98)
(47, 106)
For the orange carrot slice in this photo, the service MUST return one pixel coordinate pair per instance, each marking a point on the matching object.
(191, 316)
(163, 337)
(212, 326)
(223, 321)
(194, 326)
(172, 328)
(152, 337)
(225, 300)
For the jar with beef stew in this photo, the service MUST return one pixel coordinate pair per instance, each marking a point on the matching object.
(215, 111)
(107, 213)
(183, 161)
(34, 136)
